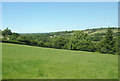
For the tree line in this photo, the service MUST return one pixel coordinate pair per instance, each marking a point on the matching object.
(71, 40)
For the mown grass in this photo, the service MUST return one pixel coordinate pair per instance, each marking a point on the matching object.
(29, 62)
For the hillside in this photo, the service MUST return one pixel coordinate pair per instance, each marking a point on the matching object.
(103, 40)
(95, 34)
(29, 62)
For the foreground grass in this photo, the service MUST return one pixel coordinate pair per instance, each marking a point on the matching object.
(29, 62)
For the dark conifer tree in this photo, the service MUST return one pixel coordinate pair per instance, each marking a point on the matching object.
(109, 43)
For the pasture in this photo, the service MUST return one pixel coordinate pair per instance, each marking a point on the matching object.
(30, 62)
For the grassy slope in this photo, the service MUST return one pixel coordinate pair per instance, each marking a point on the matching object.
(21, 61)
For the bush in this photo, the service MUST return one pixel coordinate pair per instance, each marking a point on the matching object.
(33, 43)
(12, 41)
(41, 43)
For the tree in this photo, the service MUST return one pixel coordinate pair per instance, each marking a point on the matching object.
(109, 36)
(79, 41)
(59, 42)
(108, 43)
(6, 32)
(117, 44)
(14, 36)
(71, 45)
(80, 35)
(33, 43)
(41, 43)
(24, 39)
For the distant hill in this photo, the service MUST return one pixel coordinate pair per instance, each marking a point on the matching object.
(85, 40)
(95, 34)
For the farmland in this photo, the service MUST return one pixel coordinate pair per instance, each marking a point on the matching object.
(30, 62)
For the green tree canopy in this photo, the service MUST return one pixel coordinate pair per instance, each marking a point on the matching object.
(59, 42)
(6, 32)
(108, 43)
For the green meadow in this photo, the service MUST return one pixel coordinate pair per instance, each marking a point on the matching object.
(30, 62)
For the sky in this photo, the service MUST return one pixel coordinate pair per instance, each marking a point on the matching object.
(42, 17)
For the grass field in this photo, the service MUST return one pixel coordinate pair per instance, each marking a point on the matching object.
(29, 62)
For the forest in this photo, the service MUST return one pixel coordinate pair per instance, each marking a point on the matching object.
(103, 40)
